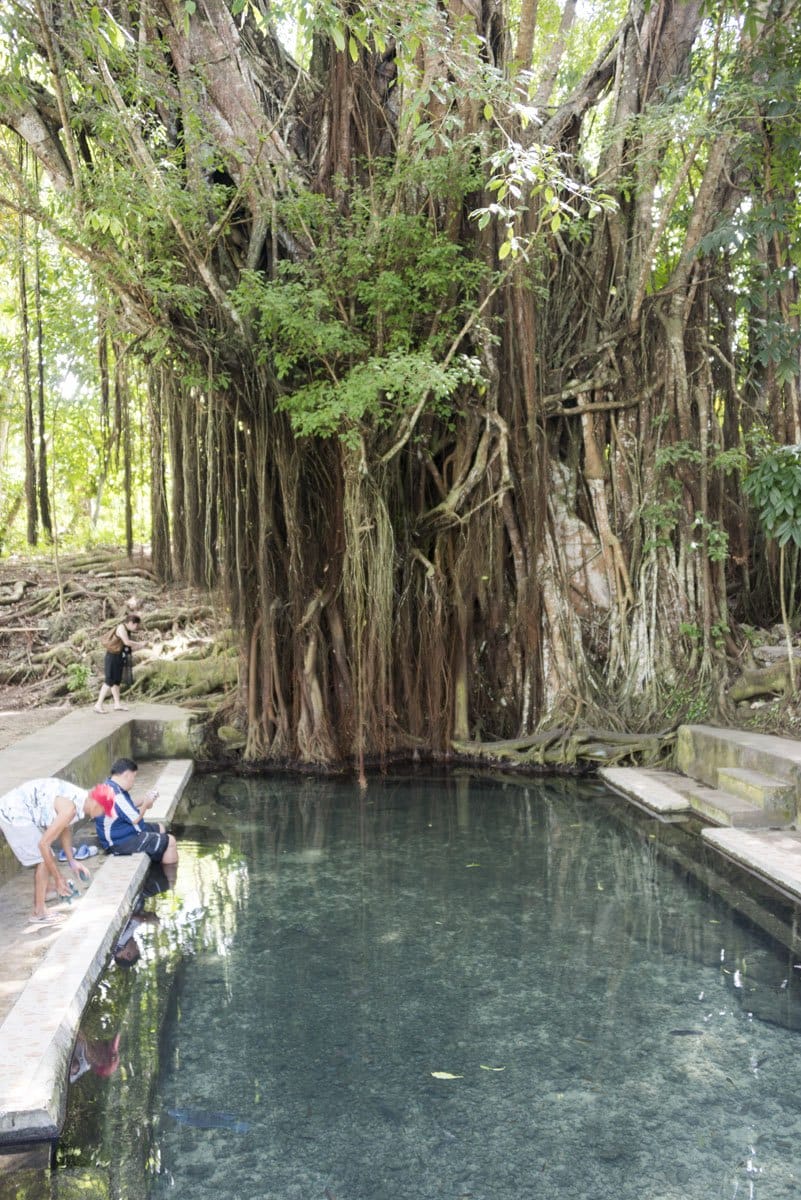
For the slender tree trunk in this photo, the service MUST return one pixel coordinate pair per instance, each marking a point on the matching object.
(31, 505)
(123, 421)
(42, 479)
(159, 514)
(178, 451)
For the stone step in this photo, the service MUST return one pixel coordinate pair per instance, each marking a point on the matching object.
(774, 856)
(767, 791)
(660, 792)
(702, 749)
(724, 808)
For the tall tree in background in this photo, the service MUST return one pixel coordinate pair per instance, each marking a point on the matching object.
(31, 507)
(37, 497)
(43, 490)
(453, 349)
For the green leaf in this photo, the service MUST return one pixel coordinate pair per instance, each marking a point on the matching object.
(339, 38)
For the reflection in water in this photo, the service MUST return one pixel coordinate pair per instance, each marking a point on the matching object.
(126, 951)
(448, 987)
(101, 1055)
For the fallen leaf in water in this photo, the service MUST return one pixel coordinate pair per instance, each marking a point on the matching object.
(472, 864)
(445, 1075)
(483, 1068)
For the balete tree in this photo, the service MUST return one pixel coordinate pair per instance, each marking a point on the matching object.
(455, 323)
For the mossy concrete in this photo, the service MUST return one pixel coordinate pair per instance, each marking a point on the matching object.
(703, 750)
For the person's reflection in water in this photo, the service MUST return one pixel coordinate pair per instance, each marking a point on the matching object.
(100, 1055)
(126, 951)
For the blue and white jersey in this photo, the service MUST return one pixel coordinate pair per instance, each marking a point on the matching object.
(124, 819)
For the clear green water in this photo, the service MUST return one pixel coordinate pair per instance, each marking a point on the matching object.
(451, 988)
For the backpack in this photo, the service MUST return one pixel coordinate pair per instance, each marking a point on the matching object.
(110, 642)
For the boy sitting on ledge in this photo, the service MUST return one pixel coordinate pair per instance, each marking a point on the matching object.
(123, 830)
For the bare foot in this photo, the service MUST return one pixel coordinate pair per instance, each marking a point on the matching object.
(120, 707)
(99, 710)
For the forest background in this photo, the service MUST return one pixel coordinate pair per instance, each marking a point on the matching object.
(449, 350)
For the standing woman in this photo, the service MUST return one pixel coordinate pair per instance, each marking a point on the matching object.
(119, 648)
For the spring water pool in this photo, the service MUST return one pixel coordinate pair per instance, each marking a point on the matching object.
(451, 987)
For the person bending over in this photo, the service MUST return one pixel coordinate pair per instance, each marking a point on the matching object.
(124, 830)
(35, 815)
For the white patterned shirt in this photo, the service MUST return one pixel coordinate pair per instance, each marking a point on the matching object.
(34, 802)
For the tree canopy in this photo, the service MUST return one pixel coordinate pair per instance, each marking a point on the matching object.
(443, 335)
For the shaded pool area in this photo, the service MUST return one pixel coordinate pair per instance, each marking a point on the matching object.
(453, 986)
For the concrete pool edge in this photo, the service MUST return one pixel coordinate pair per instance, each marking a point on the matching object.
(38, 1032)
(773, 855)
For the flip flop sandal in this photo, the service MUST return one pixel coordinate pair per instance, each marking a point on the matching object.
(56, 918)
(81, 852)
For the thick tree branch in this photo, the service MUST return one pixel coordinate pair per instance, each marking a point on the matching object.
(35, 119)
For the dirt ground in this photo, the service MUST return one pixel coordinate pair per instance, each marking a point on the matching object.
(53, 615)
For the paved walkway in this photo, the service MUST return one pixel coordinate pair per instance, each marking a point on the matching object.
(47, 974)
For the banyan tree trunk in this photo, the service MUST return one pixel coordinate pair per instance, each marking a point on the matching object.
(537, 543)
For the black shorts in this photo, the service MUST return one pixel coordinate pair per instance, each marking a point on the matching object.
(148, 841)
(112, 669)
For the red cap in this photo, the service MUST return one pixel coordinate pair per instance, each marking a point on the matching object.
(103, 795)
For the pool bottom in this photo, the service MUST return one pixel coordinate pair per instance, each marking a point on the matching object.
(450, 988)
